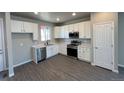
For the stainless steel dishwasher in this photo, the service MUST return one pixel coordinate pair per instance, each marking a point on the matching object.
(39, 54)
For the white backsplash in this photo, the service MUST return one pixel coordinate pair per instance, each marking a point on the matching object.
(83, 41)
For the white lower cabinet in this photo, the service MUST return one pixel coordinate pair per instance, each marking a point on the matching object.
(51, 50)
(63, 49)
(84, 53)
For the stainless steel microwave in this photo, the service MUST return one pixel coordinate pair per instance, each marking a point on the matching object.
(73, 34)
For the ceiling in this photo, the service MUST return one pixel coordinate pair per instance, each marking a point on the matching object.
(51, 16)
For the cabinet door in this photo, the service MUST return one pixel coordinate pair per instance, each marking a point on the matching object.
(81, 30)
(87, 29)
(86, 54)
(48, 51)
(63, 49)
(28, 27)
(56, 32)
(62, 33)
(80, 53)
(55, 49)
(35, 31)
(70, 28)
(76, 27)
(66, 32)
(16, 26)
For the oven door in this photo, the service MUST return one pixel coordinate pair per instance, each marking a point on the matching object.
(72, 52)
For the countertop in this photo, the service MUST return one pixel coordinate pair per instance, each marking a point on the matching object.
(42, 45)
(85, 45)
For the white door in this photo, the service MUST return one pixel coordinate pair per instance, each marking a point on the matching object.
(103, 41)
(1, 47)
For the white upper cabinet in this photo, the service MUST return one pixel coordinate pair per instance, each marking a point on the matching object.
(24, 27)
(16, 26)
(76, 27)
(66, 31)
(28, 27)
(57, 32)
(87, 29)
(61, 32)
(70, 28)
(84, 30)
(81, 30)
(35, 31)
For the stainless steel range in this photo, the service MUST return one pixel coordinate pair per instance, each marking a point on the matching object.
(72, 49)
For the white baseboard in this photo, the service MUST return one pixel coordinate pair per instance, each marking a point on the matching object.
(116, 71)
(120, 65)
(12, 74)
(92, 64)
(22, 63)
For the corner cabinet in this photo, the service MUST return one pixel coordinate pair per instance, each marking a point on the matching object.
(24, 27)
(63, 49)
(52, 50)
(57, 32)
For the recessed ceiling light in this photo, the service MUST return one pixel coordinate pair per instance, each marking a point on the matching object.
(73, 14)
(36, 13)
(58, 19)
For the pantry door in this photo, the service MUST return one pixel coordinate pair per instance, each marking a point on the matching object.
(103, 38)
(1, 47)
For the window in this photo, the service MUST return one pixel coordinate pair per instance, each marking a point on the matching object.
(45, 33)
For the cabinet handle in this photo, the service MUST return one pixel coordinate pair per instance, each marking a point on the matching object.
(96, 47)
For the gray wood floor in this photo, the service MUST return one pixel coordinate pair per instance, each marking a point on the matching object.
(62, 68)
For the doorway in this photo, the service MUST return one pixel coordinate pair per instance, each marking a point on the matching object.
(103, 44)
(2, 52)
